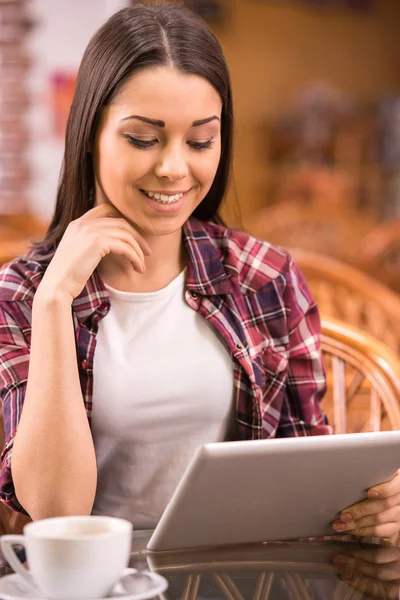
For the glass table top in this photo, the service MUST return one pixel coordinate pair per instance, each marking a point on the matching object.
(336, 568)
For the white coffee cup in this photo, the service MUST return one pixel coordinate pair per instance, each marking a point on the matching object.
(72, 558)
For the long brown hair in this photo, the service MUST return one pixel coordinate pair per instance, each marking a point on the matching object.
(132, 39)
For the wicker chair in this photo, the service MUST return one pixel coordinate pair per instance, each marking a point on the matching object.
(363, 380)
(346, 293)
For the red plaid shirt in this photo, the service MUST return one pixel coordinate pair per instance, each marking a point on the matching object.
(251, 292)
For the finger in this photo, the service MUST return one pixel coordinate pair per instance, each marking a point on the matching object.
(389, 572)
(102, 210)
(124, 225)
(387, 516)
(369, 507)
(125, 249)
(384, 490)
(371, 587)
(125, 236)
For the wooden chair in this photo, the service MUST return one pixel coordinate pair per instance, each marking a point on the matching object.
(346, 293)
(363, 380)
(378, 253)
(334, 232)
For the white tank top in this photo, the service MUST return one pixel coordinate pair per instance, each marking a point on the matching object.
(163, 385)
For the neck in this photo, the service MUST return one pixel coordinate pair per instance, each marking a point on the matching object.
(166, 261)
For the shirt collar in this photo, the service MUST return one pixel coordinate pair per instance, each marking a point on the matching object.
(206, 274)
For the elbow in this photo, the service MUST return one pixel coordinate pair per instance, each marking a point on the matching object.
(61, 488)
(47, 499)
(41, 505)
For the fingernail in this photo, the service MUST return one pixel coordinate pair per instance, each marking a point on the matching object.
(372, 494)
(346, 517)
(337, 526)
(346, 574)
(339, 560)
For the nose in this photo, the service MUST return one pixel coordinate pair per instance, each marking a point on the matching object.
(172, 165)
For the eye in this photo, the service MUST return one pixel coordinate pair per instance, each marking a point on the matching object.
(202, 145)
(140, 143)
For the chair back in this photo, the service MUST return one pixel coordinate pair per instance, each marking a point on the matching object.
(345, 293)
(363, 380)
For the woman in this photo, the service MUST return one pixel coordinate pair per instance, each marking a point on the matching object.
(148, 327)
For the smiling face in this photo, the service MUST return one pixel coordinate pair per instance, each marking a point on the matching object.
(157, 148)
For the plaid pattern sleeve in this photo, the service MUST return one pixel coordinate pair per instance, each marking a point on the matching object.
(14, 363)
(306, 378)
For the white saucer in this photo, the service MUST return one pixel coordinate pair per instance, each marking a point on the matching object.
(143, 587)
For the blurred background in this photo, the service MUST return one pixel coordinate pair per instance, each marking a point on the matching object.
(316, 88)
(317, 101)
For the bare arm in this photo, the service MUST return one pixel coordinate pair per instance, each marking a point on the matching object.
(53, 459)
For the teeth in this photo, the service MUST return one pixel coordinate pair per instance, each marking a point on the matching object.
(163, 198)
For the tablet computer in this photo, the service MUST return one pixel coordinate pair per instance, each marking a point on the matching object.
(278, 489)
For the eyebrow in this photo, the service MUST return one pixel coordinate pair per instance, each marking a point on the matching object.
(159, 123)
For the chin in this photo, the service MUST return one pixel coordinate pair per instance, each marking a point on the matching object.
(160, 227)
